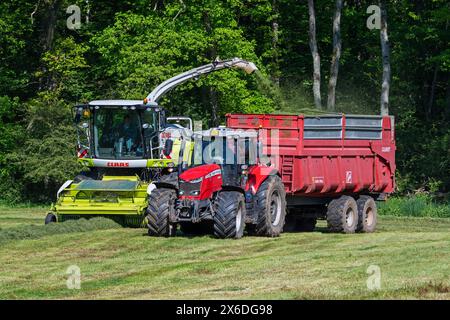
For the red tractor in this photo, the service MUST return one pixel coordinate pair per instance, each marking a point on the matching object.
(225, 189)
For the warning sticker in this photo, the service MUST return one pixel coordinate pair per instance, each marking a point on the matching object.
(348, 177)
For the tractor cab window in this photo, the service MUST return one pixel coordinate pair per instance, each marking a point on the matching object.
(226, 151)
(117, 133)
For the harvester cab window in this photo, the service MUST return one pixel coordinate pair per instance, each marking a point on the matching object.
(117, 133)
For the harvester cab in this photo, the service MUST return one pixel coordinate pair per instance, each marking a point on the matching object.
(124, 145)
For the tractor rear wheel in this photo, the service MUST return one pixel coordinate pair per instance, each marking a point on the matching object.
(50, 218)
(160, 206)
(229, 218)
(270, 207)
(367, 214)
(342, 215)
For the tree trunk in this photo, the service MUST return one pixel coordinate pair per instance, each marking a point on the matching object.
(385, 52)
(315, 55)
(48, 22)
(337, 46)
(275, 54)
(432, 93)
(212, 54)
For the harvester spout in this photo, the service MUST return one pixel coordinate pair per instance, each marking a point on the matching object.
(166, 86)
(248, 67)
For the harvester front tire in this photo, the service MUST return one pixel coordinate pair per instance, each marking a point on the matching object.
(160, 206)
(367, 214)
(229, 218)
(342, 215)
(270, 207)
(50, 218)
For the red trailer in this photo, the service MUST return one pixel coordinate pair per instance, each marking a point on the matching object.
(331, 166)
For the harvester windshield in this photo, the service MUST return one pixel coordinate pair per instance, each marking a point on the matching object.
(120, 133)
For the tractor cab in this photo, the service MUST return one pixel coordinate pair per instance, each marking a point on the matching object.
(221, 160)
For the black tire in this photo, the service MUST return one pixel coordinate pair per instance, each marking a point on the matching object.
(160, 206)
(270, 207)
(199, 228)
(229, 218)
(171, 178)
(50, 218)
(367, 214)
(342, 215)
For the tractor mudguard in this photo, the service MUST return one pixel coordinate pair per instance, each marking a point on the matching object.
(256, 177)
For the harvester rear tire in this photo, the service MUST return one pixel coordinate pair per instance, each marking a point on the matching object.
(342, 215)
(367, 214)
(270, 207)
(160, 206)
(50, 218)
(229, 218)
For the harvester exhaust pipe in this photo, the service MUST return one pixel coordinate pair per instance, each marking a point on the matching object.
(166, 86)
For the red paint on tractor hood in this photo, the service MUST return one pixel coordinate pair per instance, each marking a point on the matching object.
(198, 172)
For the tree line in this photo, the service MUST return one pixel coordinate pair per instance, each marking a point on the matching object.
(57, 53)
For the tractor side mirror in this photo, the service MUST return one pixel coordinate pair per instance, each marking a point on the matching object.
(168, 146)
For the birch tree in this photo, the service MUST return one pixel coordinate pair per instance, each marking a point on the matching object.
(315, 54)
(385, 52)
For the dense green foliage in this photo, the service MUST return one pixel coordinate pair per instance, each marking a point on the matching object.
(124, 48)
(421, 205)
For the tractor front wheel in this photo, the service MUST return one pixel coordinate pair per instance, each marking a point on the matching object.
(229, 218)
(160, 206)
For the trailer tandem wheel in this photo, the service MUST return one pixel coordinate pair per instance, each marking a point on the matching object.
(160, 205)
(270, 207)
(229, 218)
(342, 215)
(367, 214)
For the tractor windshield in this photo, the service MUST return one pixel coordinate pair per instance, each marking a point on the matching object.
(118, 132)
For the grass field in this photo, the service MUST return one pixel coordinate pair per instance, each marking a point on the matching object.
(413, 255)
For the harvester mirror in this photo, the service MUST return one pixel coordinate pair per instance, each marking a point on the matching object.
(145, 126)
(168, 145)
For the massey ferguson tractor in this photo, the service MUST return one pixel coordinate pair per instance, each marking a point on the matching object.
(226, 188)
(124, 146)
